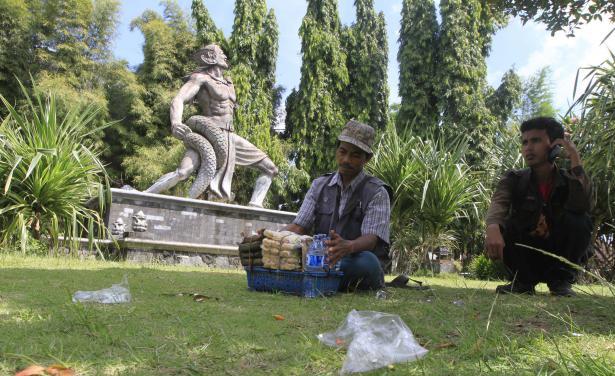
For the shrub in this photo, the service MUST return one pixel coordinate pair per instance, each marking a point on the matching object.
(49, 169)
(483, 268)
(433, 189)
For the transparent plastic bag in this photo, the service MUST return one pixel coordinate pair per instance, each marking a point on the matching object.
(373, 340)
(115, 294)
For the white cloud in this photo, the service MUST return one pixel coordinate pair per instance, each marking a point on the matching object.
(396, 7)
(566, 55)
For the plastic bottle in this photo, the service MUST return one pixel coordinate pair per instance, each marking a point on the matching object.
(316, 254)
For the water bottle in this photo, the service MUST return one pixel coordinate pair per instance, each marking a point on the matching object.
(315, 259)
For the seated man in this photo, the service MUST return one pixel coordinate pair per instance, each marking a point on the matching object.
(543, 207)
(354, 209)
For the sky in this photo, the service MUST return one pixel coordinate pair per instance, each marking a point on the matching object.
(527, 48)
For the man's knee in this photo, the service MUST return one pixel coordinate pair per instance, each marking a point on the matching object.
(184, 173)
(268, 167)
(366, 263)
(362, 270)
(576, 223)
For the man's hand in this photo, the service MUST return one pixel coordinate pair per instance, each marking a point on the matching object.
(494, 242)
(338, 247)
(179, 130)
(570, 150)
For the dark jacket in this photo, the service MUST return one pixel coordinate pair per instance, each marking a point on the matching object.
(348, 224)
(517, 202)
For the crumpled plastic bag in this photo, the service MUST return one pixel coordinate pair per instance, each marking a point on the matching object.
(373, 340)
(115, 294)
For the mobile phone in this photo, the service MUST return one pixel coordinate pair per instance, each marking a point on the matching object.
(557, 133)
(554, 153)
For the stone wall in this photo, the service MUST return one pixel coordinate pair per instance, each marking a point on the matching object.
(178, 228)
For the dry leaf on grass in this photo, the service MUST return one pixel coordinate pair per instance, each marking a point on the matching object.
(195, 297)
(52, 370)
(200, 298)
(33, 370)
(279, 317)
(59, 370)
(444, 345)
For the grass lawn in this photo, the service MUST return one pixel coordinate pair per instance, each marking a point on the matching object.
(237, 333)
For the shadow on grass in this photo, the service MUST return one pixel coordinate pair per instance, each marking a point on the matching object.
(235, 332)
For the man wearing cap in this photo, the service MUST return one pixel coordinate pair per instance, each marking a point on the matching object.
(354, 209)
(215, 95)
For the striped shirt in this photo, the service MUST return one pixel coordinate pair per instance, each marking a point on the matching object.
(377, 212)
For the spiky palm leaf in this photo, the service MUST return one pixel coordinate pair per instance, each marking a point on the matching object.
(49, 168)
(433, 187)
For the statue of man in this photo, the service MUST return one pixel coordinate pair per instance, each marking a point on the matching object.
(215, 95)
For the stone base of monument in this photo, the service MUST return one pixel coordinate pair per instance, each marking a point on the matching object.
(157, 228)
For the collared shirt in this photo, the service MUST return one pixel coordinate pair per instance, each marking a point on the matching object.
(377, 212)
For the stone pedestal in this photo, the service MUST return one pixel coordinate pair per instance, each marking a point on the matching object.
(178, 229)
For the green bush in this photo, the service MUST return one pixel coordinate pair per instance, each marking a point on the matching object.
(483, 268)
(433, 189)
(49, 169)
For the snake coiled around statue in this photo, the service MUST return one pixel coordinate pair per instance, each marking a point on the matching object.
(207, 165)
(216, 136)
(212, 145)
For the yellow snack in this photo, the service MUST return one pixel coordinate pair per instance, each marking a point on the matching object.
(292, 238)
(276, 235)
(270, 243)
(290, 254)
(290, 247)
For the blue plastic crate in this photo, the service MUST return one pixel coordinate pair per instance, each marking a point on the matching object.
(307, 284)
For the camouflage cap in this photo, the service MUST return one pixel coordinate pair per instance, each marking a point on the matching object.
(359, 134)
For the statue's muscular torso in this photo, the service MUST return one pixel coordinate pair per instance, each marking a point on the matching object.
(216, 97)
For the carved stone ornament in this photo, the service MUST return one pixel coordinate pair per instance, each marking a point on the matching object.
(139, 223)
(118, 227)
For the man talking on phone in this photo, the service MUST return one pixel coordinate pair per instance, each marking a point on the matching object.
(541, 207)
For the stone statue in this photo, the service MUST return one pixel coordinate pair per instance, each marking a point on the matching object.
(139, 222)
(118, 228)
(213, 148)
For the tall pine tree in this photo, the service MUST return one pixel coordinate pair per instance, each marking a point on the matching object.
(503, 100)
(254, 46)
(15, 47)
(315, 116)
(206, 30)
(417, 56)
(365, 41)
(462, 71)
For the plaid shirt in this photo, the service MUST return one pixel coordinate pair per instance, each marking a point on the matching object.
(377, 212)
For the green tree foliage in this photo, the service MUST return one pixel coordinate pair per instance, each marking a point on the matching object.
(417, 59)
(49, 168)
(503, 100)
(206, 30)
(254, 42)
(462, 74)
(594, 135)
(15, 46)
(366, 46)
(169, 43)
(562, 15)
(314, 114)
(254, 46)
(65, 46)
(537, 96)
